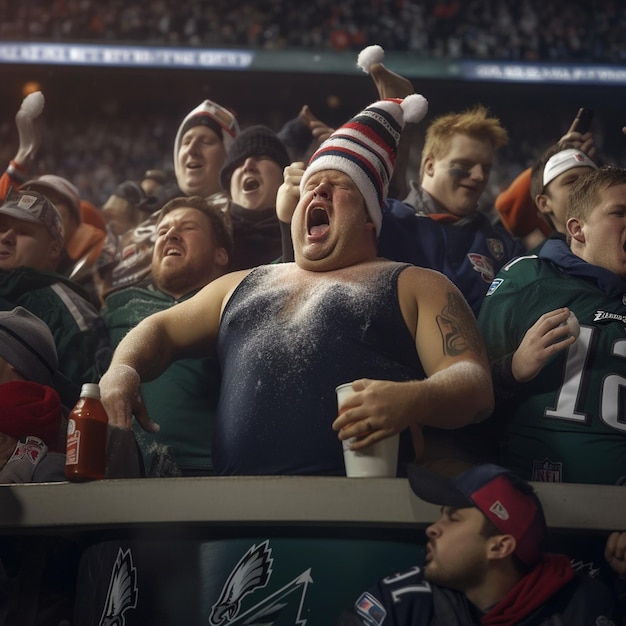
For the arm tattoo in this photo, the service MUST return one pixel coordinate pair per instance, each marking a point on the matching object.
(457, 331)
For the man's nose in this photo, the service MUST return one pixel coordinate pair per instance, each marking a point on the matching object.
(249, 164)
(7, 235)
(172, 233)
(433, 531)
(322, 190)
(479, 172)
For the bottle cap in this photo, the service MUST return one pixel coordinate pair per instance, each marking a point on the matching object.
(90, 390)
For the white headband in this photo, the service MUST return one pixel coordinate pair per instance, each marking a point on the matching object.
(564, 161)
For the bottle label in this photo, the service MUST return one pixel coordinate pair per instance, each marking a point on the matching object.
(73, 444)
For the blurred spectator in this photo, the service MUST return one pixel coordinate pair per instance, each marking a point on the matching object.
(31, 415)
(252, 174)
(126, 208)
(202, 141)
(83, 242)
(31, 240)
(191, 249)
(152, 181)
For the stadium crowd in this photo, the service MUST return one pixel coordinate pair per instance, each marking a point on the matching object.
(532, 30)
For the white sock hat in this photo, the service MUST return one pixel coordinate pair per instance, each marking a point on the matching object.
(365, 148)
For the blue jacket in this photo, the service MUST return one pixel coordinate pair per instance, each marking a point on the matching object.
(470, 252)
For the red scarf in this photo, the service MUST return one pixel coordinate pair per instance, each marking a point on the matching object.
(28, 408)
(548, 576)
(444, 217)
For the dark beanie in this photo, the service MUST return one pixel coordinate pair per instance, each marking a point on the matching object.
(27, 344)
(132, 192)
(256, 141)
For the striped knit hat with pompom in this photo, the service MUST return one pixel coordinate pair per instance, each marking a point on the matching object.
(364, 149)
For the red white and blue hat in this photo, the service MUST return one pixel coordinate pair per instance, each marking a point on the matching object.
(365, 149)
(495, 492)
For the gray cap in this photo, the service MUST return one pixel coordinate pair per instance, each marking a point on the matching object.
(27, 344)
(31, 206)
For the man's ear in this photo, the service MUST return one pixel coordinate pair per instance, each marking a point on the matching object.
(542, 201)
(575, 229)
(220, 257)
(54, 255)
(429, 166)
(500, 546)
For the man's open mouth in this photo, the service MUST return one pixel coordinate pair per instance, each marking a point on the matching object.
(318, 221)
(250, 184)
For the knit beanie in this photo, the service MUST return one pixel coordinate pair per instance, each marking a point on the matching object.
(255, 141)
(365, 149)
(213, 116)
(30, 410)
(27, 344)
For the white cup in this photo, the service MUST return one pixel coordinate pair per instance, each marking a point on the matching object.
(377, 460)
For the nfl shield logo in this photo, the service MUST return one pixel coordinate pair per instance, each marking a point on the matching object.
(547, 471)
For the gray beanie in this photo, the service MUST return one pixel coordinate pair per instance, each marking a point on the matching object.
(27, 344)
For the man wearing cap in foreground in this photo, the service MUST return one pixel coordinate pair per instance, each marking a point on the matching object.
(30, 409)
(31, 239)
(484, 563)
(287, 335)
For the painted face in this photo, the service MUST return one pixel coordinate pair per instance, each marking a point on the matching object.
(185, 256)
(331, 228)
(200, 158)
(456, 553)
(254, 184)
(601, 240)
(24, 243)
(458, 179)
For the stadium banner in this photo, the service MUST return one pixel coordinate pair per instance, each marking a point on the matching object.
(409, 64)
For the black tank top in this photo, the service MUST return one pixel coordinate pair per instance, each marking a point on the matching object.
(287, 339)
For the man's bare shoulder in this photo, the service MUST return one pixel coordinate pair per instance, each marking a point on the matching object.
(424, 277)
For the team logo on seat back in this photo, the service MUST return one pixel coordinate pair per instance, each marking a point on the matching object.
(122, 593)
(253, 572)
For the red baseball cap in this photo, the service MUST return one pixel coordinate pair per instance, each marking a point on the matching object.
(501, 496)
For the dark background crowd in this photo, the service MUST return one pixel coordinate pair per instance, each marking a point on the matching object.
(560, 30)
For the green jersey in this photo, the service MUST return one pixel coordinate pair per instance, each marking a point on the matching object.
(569, 423)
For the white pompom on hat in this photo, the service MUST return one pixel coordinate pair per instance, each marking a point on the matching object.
(368, 56)
(365, 148)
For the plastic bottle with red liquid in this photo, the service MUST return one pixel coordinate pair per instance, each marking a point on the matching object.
(86, 437)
